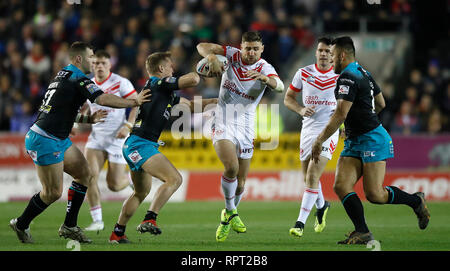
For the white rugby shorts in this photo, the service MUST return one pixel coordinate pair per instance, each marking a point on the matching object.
(108, 143)
(241, 136)
(307, 138)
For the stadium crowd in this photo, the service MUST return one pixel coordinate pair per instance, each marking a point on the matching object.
(35, 35)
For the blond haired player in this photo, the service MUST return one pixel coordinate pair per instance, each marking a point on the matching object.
(241, 89)
(316, 82)
(106, 139)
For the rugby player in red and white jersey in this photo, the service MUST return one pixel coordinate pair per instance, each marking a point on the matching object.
(106, 140)
(241, 89)
(316, 83)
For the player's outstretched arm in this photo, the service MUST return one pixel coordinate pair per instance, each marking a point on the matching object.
(189, 80)
(205, 49)
(117, 102)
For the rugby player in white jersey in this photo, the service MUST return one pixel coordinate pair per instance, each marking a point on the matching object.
(106, 140)
(241, 89)
(316, 83)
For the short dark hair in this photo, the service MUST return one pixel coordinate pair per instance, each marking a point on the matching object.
(102, 53)
(77, 48)
(251, 36)
(152, 62)
(325, 40)
(345, 43)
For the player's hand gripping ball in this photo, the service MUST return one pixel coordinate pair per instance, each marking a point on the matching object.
(215, 68)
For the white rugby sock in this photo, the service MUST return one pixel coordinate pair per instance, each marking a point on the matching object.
(308, 200)
(96, 213)
(237, 198)
(229, 190)
(320, 199)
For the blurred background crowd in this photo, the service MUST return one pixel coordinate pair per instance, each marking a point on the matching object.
(35, 35)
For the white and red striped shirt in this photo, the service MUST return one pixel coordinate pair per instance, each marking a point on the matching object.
(237, 89)
(116, 85)
(317, 89)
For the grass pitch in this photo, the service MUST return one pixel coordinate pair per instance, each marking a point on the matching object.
(191, 226)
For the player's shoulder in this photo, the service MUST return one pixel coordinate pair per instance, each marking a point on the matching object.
(352, 71)
(72, 73)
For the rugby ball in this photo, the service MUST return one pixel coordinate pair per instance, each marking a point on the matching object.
(203, 65)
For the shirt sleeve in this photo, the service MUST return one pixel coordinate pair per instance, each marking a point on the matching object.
(89, 89)
(168, 83)
(231, 53)
(346, 88)
(126, 88)
(269, 70)
(297, 84)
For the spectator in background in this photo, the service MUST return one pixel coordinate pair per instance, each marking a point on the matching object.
(27, 39)
(35, 89)
(24, 119)
(434, 123)
(301, 33)
(42, 20)
(181, 14)
(58, 36)
(425, 105)
(234, 37)
(61, 58)
(223, 29)
(201, 31)
(161, 32)
(400, 7)
(415, 79)
(130, 41)
(36, 61)
(5, 102)
(412, 95)
(264, 24)
(113, 52)
(286, 43)
(16, 71)
(406, 121)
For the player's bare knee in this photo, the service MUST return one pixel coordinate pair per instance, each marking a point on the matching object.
(231, 169)
(52, 194)
(114, 187)
(375, 197)
(141, 194)
(175, 181)
(340, 190)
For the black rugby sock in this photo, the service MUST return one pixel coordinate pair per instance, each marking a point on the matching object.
(150, 215)
(119, 230)
(355, 211)
(398, 196)
(75, 198)
(34, 208)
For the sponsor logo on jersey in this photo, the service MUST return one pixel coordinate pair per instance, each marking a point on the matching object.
(135, 157)
(232, 87)
(249, 150)
(92, 88)
(332, 146)
(343, 89)
(369, 154)
(171, 79)
(57, 154)
(33, 155)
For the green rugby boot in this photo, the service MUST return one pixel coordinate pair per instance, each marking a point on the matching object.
(321, 216)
